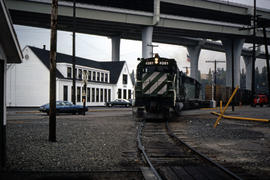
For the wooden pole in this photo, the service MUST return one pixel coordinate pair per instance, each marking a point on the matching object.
(267, 62)
(233, 72)
(52, 120)
(253, 53)
(73, 54)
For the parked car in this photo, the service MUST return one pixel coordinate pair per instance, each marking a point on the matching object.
(119, 102)
(64, 107)
(260, 99)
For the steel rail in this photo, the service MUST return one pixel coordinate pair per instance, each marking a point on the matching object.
(142, 149)
(171, 134)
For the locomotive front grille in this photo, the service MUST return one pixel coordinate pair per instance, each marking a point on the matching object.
(154, 83)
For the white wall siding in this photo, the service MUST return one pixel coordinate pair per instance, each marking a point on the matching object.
(122, 86)
(30, 85)
(68, 83)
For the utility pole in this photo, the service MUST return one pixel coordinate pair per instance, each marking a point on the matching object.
(52, 120)
(215, 74)
(233, 102)
(253, 52)
(267, 61)
(73, 55)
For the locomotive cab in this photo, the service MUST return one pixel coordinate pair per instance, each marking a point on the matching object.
(156, 84)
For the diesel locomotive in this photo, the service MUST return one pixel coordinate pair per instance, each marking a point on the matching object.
(161, 87)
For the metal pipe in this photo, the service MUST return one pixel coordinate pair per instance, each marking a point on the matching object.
(240, 118)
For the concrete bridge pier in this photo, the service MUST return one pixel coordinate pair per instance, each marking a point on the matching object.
(194, 53)
(248, 63)
(116, 48)
(237, 48)
(147, 48)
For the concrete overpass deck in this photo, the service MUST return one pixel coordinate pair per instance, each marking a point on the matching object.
(128, 22)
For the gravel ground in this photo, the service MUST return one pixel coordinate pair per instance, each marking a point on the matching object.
(106, 141)
(84, 143)
(234, 143)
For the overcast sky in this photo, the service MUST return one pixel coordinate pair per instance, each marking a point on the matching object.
(99, 48)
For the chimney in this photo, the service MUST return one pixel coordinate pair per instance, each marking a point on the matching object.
(44, 46)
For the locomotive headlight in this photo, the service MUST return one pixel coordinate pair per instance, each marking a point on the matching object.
(156, 60)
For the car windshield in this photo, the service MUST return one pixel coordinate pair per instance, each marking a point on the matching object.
(68, 103)
(60, 104)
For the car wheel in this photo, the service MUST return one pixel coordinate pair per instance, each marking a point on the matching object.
(110, 105)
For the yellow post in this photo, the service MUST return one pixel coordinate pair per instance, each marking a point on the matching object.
(225, 108)
(220, 106)
(241, 118)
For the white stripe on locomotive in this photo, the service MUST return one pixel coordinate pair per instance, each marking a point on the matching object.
(150, 78)
(162, 90)
(156, 84)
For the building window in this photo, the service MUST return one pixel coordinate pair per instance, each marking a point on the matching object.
(69, 72)
(119, 93)
(106, 77)
(88, 94)
(102, 77)
(72, 94)
(93, 94)
(89, 75)
(85, 73)
(105, 95)
(98, 76)
(97, 95)
(80, 74)
(65, 93)
(94, 76)
(101, 95)
(124, 94)
(129, 94)
(125, 79)
(75, 72)
(109, 95)
(78, 94)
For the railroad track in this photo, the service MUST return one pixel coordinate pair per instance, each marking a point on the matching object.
(168, 157)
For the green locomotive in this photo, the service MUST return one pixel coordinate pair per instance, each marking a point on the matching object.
(161, 87)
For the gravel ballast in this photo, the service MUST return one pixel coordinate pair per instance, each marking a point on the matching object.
(84, 143)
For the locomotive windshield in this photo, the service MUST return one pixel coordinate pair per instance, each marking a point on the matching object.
(157, 68)
(162, 65)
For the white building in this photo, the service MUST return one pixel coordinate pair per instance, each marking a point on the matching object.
(28, 82)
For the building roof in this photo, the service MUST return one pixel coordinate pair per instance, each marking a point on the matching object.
(114, 67)
(8, 38)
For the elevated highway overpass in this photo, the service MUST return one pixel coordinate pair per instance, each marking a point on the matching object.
(163, 21)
